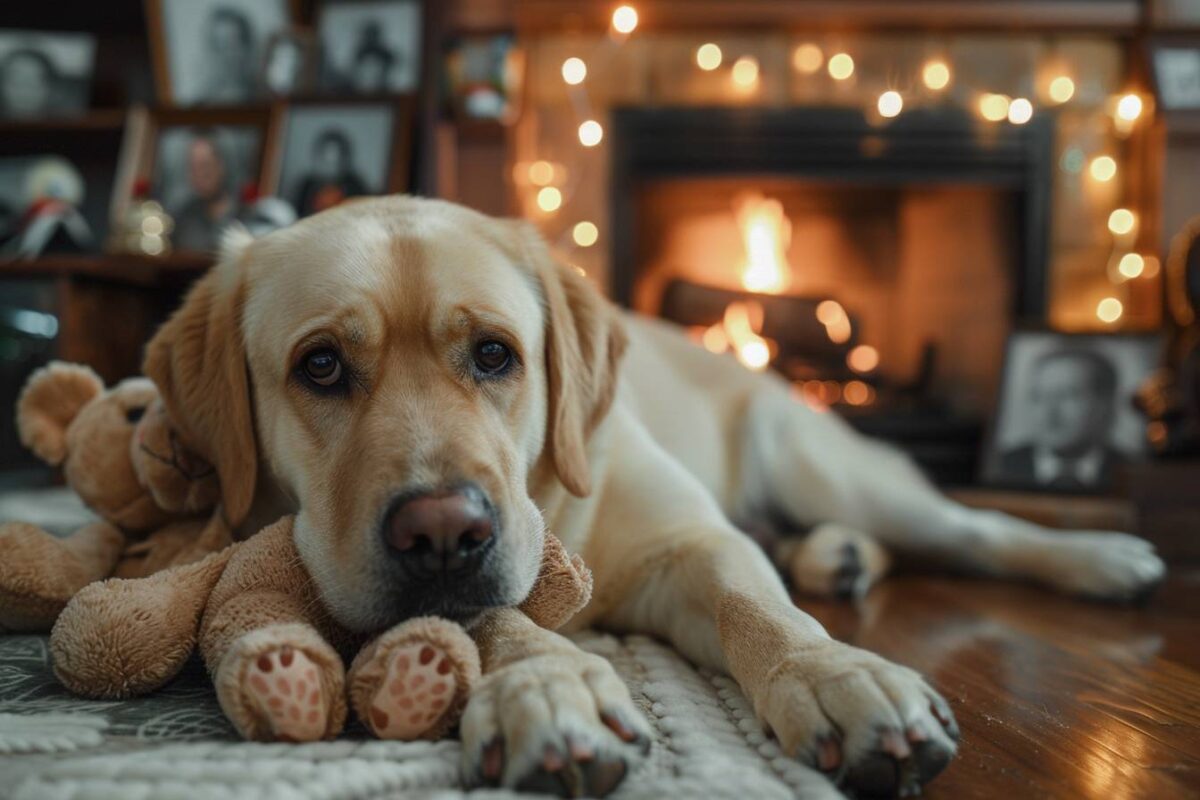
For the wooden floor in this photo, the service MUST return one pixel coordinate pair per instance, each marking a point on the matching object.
(1056, 697)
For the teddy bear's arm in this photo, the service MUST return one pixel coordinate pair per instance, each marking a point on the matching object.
(40, 572)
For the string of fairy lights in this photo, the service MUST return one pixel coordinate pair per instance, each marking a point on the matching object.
(552, 185)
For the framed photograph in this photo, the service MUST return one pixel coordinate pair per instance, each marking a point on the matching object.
(1177, 75)
(201, 166)
(328, 152)
(45, 74)
(483, 75)
(210, 52)
(1066, 421)
(289, 66)
(370, 46)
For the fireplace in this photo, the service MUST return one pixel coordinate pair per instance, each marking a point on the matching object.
(879, 267)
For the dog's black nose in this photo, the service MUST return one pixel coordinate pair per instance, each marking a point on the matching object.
(441, 531)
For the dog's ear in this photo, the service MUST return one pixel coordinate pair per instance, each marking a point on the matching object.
(198, 361)
(52, 398)
(584, 344)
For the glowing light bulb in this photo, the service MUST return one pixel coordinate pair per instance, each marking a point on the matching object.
(994, 107)
(1020, 111)
(549, 199)
(841, 66)
(625, 19)
(541, 173)
(856, 393)
(1103, 168)
(807, 58)
(1062, 89)
(708, 57)
(1131, 265)
(1122, 221)
(1129, 107)
(863, 358)
(936, 75)
(745, 71)
(574, 71)
(585, 233)
(1109, 310)
(590, 133)
(890, 104)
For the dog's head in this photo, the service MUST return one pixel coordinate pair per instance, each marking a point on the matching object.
(400, 368)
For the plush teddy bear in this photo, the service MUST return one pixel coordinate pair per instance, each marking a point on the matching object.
(120, 454)
(274, 651)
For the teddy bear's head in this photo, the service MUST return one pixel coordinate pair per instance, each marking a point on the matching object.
(116, 447)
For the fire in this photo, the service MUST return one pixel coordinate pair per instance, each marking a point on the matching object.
(767, 233)
(739, 331)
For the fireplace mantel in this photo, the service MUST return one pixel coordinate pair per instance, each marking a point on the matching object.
(925, 146)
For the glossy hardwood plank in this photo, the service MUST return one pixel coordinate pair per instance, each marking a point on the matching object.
(1056, 697)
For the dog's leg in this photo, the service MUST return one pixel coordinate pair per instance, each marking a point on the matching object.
(547, 717)
(876, 726)
(683, 572)
(816, 469)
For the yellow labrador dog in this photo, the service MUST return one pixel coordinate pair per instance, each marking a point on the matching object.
(429, 391)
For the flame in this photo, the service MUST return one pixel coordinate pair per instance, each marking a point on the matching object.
(739, 331)
(766, 233)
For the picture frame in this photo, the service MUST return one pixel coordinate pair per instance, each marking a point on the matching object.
(379, 159)
(1065, 420)
(45, 74)
(482, 74)
(155, 156)
(216, 59)
(371, 47)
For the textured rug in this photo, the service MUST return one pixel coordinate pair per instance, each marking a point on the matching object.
(177, 744)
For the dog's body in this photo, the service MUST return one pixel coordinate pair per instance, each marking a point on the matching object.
(348, 364)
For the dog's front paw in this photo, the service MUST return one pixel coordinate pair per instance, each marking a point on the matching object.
(877, 726)
(561, 723)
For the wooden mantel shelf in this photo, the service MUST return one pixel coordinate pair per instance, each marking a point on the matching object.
(123, 268)
(656, 15)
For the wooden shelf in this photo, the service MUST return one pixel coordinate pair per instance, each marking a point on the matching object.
(108, 119)
(123, 268)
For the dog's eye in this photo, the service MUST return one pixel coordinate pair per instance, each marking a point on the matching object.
(133, 415)
(323, 367)
(492, 357)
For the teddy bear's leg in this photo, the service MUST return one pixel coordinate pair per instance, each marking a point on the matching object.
(40, 572)
(277, 679)
(413, 681)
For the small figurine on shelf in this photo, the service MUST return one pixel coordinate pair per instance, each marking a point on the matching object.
(1170, 398)
(53, 191)
(146, 227)
(261, 215)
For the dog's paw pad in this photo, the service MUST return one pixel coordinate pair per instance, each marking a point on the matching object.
(285, 687)
(419, 686)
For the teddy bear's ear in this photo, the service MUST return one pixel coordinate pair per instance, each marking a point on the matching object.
(53, 396)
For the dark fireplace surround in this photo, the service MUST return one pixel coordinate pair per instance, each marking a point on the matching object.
(924, 146)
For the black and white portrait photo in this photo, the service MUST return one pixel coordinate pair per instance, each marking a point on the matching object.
(44, 74)
(370, 46)
(212, 50)
(1066, 420)
(200, 175)
(289, 64)
(334, 152)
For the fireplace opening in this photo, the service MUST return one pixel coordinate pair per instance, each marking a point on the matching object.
(852, 292)
(879, 269)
